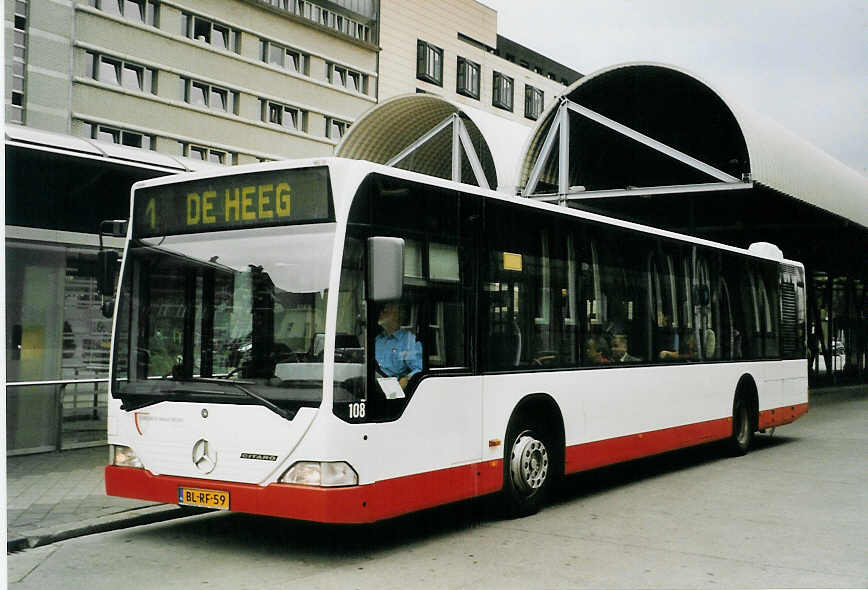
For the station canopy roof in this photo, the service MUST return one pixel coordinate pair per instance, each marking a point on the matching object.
(60, 182)
(694, 121)
(398, 132)
(68, 145)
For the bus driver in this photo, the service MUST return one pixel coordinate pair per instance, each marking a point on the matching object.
(398, 352)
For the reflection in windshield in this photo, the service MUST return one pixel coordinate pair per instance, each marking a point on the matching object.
(238, 305)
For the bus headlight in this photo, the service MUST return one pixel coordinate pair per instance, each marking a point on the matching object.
(326, 474)
(125, 457)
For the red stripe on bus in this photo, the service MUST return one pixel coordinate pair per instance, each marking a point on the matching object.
(358, 504)
(781, 416)
(634, 446)
(625, 448)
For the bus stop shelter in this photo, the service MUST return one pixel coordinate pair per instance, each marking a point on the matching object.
(655, 144)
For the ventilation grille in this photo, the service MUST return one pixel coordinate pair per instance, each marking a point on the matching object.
(789, 321)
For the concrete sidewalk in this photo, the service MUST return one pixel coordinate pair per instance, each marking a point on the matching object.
(57, 496)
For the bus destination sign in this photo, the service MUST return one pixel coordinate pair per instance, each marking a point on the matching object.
(239, 201)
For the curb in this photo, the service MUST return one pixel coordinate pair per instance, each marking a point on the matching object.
(102, 524)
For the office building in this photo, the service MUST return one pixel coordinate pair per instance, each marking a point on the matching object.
(102, 93)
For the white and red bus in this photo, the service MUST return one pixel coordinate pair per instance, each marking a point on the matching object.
(543, 341)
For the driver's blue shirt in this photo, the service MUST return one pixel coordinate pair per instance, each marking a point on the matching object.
(400, 354)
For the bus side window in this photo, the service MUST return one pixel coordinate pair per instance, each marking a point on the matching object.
(594, 345)
(530, 300)
(445, 321)
(689, 334)
(707, 300)
(668, 333)
(619, 332)
(729, 338)
(754, 310)
(769, 276)
(733, 287)
(566, 288)
(350, 359)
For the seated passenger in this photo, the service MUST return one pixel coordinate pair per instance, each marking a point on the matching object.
(398, 352)
(610, 346)
(620, 349)
(597, 350)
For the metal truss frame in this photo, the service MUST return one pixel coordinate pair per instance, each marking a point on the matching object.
(560, 128)
(460, 140)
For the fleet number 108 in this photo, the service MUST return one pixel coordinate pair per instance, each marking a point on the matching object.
(357, 410)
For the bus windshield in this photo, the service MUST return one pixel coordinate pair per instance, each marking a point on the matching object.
(228, 317)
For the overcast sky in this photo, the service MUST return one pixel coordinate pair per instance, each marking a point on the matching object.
(803, 63)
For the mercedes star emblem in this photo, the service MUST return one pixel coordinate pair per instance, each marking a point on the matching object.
(204, 458)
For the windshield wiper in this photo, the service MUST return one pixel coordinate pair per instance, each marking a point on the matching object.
(288, 414)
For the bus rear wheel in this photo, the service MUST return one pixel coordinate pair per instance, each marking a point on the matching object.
(528, 471)
(742, 428)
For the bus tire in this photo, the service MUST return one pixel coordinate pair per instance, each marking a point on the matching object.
(742, 428)
(529, 467)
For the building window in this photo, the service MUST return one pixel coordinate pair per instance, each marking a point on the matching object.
(468, 78)
(501, 94)
(325, 17)
(335, 128)
(140, 11)
(215, 34)
(533, 102)
(429, 63)
(283, 115)
(119, 136)
(206, 154)
(129, 75)
(346, 78)
(209, 96)
(19, 62)
(284, 57)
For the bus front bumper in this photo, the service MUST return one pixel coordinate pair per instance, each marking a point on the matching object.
(349, 505)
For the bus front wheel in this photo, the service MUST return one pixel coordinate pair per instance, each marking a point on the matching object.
(528, 470)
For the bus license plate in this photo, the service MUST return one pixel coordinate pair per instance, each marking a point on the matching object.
(203, 498)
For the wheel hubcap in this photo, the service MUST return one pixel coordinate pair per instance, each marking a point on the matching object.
(529, 464)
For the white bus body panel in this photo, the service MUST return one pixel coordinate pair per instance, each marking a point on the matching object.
(440, 428)
(163, 436)
(606, 403)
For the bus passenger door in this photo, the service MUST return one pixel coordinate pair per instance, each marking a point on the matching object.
(444, 414)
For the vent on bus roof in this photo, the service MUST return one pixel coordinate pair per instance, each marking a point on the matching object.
(767, 250)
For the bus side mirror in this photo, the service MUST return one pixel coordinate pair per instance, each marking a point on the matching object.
(107, 265)
(107, 271)
(385, 268)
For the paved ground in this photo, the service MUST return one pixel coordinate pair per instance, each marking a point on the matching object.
(56, 496)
